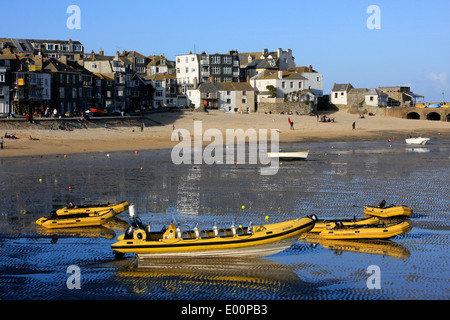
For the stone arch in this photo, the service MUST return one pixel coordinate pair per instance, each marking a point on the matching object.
(413, 115)
(434, 116)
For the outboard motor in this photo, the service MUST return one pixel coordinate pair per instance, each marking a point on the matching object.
(382, 204)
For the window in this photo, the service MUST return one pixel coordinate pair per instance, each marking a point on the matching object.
(61, 93)
(244, 100)
(318, 79)
(342, 93)
(187, 70)
(94, 65)
(215, 70)
(228, 92)
(292, 84)
(371, 98)
(140, 69)
(228, 101)
(215, 59)
(74, 93)
(300, 85)
(335, 95)
(226, 60)
(283, 84)
(1, 91)
(140, 60)
(50, 47)
(2, 77)
(227, 70)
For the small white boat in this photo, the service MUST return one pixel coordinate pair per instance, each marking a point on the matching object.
(417, 141)
(300, 155)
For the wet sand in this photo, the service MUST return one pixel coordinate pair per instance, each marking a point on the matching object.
(157, 134)
(337, 181)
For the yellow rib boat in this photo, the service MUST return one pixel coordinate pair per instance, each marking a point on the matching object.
(251, 241)
(329, 224)
(378, 231)
(82, 216)
(388, 212)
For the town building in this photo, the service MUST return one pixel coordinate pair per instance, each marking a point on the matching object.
(252, 63)
(232, 97)
(339, 93)
(73, 50)
(288, 85)
(4, 90)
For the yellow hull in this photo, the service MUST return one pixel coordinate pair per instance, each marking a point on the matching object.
(329, 224)
(262, 241)
(96, 216)
(117, 207)
(367, 232)
(396, 211)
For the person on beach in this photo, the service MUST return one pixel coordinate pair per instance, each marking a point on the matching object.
(354, 125)
(1, 143)
(292, 125)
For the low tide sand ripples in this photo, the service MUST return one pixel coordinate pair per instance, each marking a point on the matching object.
(336, 181)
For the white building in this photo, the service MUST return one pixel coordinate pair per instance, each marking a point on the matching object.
(187, 69)
(339, 93)
(376, 98)
(4, 93)
(284, 82)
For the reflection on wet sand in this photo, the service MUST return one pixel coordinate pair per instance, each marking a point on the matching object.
(369, 246)
(104, 231)
(175, 273)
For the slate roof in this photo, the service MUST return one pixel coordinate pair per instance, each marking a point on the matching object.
(342, 87)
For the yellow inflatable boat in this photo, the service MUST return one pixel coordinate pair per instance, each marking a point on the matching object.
(82, 216)
(251, 241)
(388, 212)
(377, 231)
(328, 224)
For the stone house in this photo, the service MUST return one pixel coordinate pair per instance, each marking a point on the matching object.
(230, 97)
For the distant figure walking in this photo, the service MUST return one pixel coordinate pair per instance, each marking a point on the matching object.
(1, 143)
(292, 125)
(354, 125)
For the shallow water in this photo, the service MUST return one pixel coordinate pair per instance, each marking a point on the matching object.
(336, 181)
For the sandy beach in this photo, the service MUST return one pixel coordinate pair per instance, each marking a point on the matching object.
(158, 128)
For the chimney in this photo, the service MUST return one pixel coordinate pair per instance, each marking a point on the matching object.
(310, 68)
(211, 78)
(195, 83)
(248, 78)
(280, 74)
(102, 53)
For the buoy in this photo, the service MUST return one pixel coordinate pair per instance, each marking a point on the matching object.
(237, 163)
(243, 207)
(267, 218)
(142, 169)
(107, 155)
(135, 152)
(40, 180)
(70, 188)
(65, 156)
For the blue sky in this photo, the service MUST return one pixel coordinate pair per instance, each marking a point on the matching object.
(411, 48)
